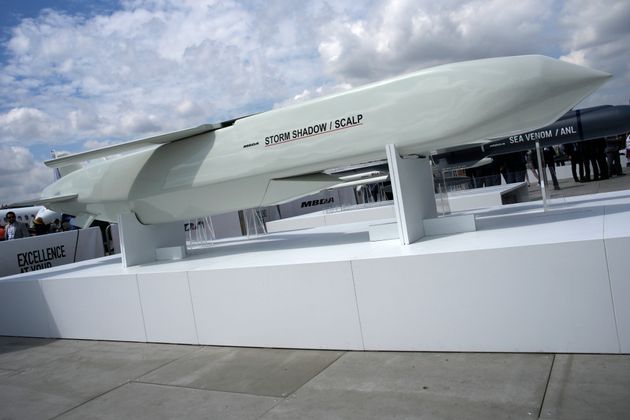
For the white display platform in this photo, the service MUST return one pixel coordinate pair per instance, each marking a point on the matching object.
(359, 213)
(525, 281)
(458, 201)
(477, 198)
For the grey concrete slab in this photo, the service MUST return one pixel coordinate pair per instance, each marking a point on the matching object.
(66, 381)
(7, 372)
(151, 401)
(22, 402)
(7, 343)
(270, 372)
(422, 386)
(570, 188)
(588, 387)
(25, 353)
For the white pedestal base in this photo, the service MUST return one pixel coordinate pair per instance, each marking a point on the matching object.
(525, 281)
(141, 244)
(384, 231)
(414, 199)
(449, 225)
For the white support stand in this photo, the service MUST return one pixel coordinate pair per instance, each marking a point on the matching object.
(414, 197)
(414, 202)
(141, 244)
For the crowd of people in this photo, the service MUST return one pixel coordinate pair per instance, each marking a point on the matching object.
(599, 157)
(16, 228)
(591, 160)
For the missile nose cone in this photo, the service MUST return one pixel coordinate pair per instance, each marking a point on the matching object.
(577, 75)
(620, 116)
(567, 82)
(623, 112)
(572, 72)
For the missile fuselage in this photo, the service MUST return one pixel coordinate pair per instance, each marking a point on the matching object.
(574, 126)
(278, 155)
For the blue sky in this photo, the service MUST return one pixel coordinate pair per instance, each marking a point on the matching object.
(76, 75)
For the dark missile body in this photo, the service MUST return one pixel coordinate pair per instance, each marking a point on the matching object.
(574, 126)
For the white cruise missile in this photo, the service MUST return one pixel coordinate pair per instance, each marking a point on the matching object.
(278, 155)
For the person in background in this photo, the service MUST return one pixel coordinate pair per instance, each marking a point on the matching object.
(612, 157)
(549, 155)
(14, 229)
(600, 152)
(39, 226)
(55, 226)
(570, 150)
(532, 162)
(590, 158)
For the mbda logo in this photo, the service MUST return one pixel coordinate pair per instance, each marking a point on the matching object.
(319, 202)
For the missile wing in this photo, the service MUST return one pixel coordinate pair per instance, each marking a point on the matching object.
(281, 154)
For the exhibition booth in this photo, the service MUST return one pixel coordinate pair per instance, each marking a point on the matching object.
(511, 278)
(40, 252)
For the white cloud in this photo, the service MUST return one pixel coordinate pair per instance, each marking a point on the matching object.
(28, 125)
(402, 35)
(308, 94)
(155, 66)
(152, 67)
(21, 176)
(160, 65)
(598, 36)
(96, 144)
(397, 36)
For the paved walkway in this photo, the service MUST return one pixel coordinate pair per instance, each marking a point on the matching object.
(570, 188)
(71, 379)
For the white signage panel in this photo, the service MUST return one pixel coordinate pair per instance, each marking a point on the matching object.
(39, 252)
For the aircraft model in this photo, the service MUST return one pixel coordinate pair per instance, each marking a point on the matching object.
(275, 156)
(574, 126)
(28, 214)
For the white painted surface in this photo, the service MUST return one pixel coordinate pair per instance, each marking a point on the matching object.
(139, 243)
(617, 250)
(383, 231)
(298, 222)
(524, 281)
(478, 198)
(299, 305)
(373, 212)
(330, 218)
(545, 298)
(167, 308)
(414, 199)
(617, 234)
(98, 308)
(23, 309)
(170, 253)
(89, 244)
(449, 225)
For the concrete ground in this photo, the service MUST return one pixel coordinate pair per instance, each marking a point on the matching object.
(71, 379)
(74, 379)
(570, 188)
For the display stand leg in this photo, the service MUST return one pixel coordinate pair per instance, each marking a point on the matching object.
(414, 196)
(542, 175)
(141, 244)
(414, 204)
